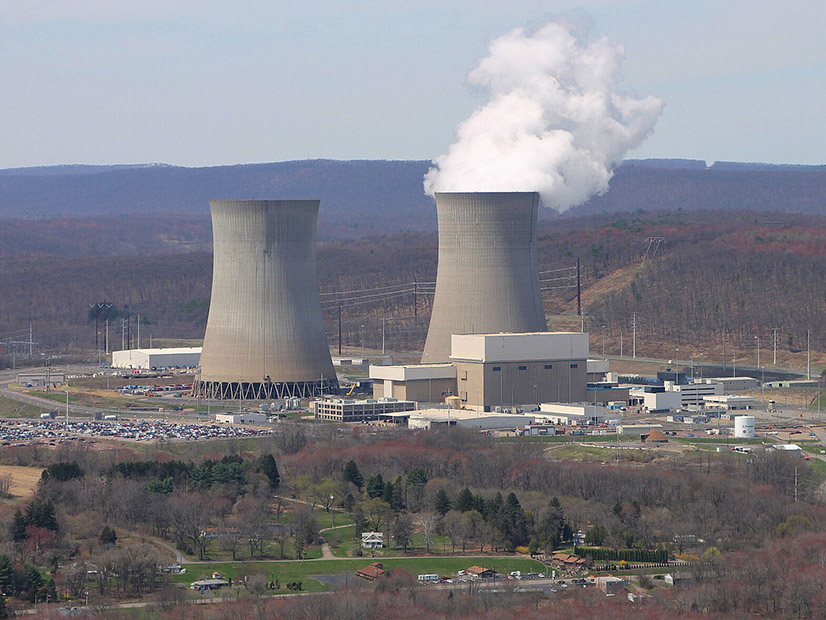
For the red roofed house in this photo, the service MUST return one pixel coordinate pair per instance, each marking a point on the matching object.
(372, 572)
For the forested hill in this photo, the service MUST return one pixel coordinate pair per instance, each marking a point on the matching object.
(364, 198)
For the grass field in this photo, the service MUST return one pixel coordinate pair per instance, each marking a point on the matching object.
(12, 409)
(23, 479)
(287, 572)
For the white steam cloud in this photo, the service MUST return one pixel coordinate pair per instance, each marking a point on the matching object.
(554, 122)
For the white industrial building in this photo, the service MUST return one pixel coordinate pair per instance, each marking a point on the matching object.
(656, 399)
(733, 384)
(464, 418)
(241, 418)
(694, 393)
(637, 429)
(148, 359)
(574, 414)
(729, 402)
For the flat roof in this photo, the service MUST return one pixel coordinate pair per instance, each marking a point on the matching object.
(162, 351)
(467, 414)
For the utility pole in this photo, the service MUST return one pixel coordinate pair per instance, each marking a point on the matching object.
(724, 346)
(339, 328)
(578, 290)
(635, 336)
(808, 355)
(758, 351)
(774, 346)
(620, 342)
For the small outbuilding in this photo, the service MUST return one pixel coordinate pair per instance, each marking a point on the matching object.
(481, 572)
(654, 436)
(611, 585)
(208, 584)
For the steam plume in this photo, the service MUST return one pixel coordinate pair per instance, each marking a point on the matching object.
(554, 122)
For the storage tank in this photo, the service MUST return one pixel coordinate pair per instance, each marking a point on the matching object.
(487, 279)
(265, 335)
(744, 426)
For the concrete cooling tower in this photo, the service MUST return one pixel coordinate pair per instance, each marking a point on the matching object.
(265, 336)
(487, 279)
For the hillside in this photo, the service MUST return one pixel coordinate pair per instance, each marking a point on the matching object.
(738, 274)
(366, 198)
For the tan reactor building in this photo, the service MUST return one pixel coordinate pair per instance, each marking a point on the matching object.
(487, 371)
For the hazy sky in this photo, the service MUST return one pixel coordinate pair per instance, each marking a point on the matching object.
(199, 83)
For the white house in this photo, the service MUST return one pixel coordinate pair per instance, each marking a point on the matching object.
(372, 540)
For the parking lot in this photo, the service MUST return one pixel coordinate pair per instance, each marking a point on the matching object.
(23, 432)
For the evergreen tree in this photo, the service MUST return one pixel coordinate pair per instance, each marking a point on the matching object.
(387, 492)
(107, 536)
(41, 514)
(375, 486)
(267, 466)
(442, 502)
(6, 575)
(18, 528)
(352, 474)
(417, 475)
(33, 581)
(464, 501)
(397, 497)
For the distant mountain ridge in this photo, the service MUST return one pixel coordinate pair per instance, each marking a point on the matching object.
(368, 197)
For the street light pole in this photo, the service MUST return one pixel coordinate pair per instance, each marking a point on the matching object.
(758, 351)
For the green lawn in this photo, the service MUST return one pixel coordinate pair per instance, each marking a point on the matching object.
(286, 572)
(323, 518)
(12, 409)
(57, 396)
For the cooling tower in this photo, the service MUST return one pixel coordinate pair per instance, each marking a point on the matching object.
(265, 335)
(487, 279)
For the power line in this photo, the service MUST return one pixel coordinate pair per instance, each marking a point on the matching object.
(368, 290)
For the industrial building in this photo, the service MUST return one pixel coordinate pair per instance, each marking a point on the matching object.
(576, 415)
(41, 379)
(240, 418)
(733, 384)
(489, 371)
(694, 393)
(347, 410)
(435, 418)
(487, 280)
(730, 402)
(265, 336)
(655, 398)
(150, 359)
(429, 383)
